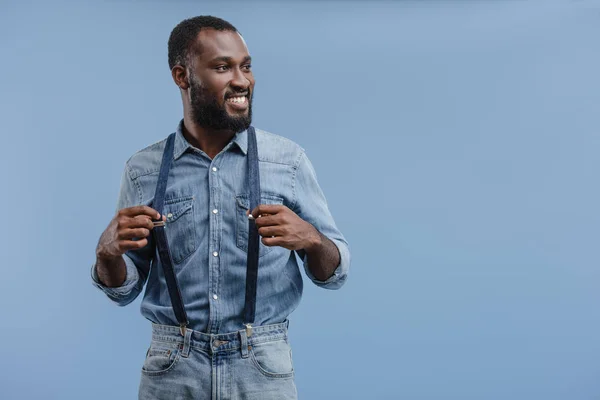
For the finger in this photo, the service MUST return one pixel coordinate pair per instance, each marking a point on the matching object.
(267, 209)
(270, 231)
(250, 216)
(133, 233)
(269, 220)
(140, 210)
(127, 245)
(140, 221)
(269, 241)
(278, 241)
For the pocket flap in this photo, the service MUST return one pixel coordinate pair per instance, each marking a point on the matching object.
(243, 200)
(175, 208)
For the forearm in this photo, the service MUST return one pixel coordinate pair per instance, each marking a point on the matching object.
(323, 258)
(111, 272)
(119, 279)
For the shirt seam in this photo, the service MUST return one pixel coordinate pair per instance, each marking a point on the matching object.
(294, 175)
(275, 162)
(136, 183)
(145, 173)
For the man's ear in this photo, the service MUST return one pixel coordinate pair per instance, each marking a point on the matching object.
(180, 77)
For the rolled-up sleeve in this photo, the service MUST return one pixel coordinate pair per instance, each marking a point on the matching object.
(310, 205)
(137, 261)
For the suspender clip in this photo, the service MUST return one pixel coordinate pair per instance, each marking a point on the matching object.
(182, 329)
(248, 330)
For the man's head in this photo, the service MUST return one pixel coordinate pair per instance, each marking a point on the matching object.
(210, 63)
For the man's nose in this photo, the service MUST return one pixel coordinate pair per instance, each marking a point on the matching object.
(240, 80)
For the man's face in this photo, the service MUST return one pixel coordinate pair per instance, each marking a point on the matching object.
(221, 82)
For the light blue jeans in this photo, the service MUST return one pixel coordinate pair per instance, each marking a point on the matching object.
(218, 367)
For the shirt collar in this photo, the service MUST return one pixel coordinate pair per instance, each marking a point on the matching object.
(241, 139)
(181, 144)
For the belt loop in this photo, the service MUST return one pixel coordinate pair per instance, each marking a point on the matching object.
(244, 343)
(187, 343)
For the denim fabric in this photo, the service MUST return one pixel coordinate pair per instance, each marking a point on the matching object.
(207, 229)
(219, 367)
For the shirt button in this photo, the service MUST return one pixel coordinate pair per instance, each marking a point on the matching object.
(215, 211)
(215, 296)
(215, 254)
(214, 169)
(169, 215)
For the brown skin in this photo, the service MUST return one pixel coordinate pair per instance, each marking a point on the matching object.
(129, 223)
(222, 67)
(280, 226)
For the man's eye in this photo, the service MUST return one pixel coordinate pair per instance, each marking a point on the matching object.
(248, 67)
(221, 68)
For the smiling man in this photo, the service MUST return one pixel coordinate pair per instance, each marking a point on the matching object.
(211, 220)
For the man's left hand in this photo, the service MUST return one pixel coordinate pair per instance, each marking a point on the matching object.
(280, 226)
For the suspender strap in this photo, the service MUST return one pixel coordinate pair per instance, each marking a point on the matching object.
(252, 263)
(253, 238)
(161, 236)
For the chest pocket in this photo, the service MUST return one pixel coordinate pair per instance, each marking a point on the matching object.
(180, 227)
(242, 205)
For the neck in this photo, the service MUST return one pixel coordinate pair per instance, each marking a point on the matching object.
(210, 141)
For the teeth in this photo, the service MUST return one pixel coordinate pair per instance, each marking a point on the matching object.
(238, 100)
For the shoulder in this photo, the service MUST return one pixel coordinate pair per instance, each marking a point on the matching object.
(147, 160)
(277, 149)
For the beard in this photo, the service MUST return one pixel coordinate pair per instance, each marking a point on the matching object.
(207, 112)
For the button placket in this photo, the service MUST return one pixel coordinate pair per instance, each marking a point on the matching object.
(214, 245)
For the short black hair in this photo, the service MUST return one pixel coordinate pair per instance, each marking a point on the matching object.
(184, 36)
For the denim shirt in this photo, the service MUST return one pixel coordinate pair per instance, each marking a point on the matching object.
(207, 229)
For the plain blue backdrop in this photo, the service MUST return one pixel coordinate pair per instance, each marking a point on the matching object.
(457, 143)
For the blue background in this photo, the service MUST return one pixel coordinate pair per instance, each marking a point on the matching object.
(457, 143)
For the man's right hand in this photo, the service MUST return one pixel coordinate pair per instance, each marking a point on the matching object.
(128, 224)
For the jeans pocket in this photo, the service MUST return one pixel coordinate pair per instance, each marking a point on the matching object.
(273, 359)
(161, 358)
(180, 227)
(243, 204)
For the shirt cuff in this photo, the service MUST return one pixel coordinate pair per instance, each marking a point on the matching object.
(340, 274)
(125, 289)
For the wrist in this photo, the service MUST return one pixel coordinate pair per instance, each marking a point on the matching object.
(106, 259)
(315, 241)
(110, 270)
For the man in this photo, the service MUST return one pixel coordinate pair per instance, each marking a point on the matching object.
(211, 220)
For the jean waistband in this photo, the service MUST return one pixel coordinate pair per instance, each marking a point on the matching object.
(221, 341)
